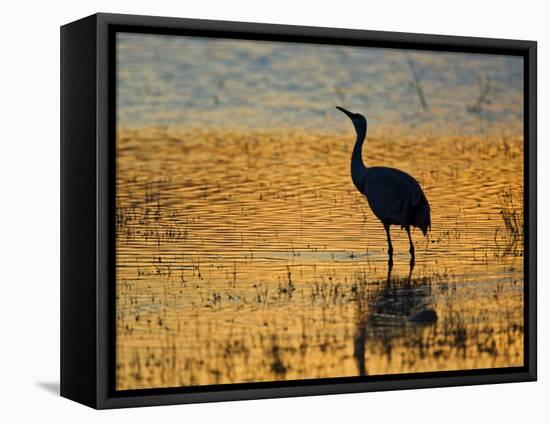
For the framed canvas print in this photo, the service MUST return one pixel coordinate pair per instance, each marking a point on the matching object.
(255, 211)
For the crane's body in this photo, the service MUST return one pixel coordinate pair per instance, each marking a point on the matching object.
(395, 197)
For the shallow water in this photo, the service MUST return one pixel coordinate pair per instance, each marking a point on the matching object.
(249, 256)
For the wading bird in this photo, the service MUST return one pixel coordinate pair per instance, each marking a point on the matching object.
(394, 196)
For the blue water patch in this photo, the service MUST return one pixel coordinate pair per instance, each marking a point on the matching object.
(194, 82)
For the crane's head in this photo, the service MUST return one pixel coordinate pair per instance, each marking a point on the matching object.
(359, 121)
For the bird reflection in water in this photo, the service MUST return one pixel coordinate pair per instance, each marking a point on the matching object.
(388, 312)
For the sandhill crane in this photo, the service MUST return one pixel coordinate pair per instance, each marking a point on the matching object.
(394, 196)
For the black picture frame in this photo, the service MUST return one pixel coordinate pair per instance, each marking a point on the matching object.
(87, 209)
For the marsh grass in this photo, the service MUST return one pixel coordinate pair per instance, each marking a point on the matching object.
(512, 213)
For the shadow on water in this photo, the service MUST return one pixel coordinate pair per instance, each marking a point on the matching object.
(389, 312)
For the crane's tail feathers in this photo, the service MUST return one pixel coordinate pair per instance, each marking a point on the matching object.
(425, 230)
(422, 218)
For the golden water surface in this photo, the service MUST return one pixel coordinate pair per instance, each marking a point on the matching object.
(249, 256)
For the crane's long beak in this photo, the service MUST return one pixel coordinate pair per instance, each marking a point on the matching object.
(348, 113)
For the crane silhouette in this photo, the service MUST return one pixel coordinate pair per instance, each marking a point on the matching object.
(395, 197)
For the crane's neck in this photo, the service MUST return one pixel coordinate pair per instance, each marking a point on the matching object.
(358, 168)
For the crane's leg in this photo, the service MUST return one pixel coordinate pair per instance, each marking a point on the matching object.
(411, 249)
(390, 247)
